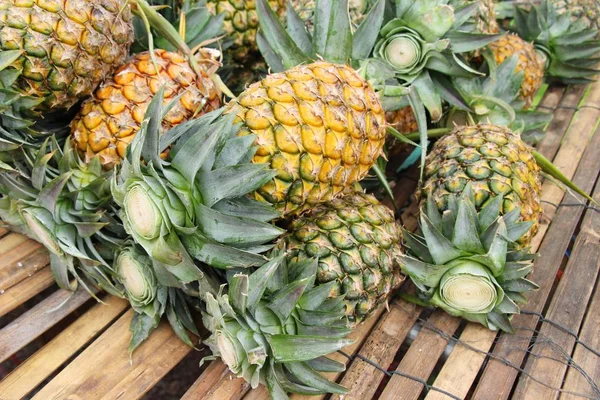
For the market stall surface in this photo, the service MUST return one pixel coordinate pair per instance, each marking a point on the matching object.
(59, 345)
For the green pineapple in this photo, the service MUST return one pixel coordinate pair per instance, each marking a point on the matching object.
(358, 245)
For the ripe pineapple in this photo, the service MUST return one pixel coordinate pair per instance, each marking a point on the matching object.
(404, 121)
(241, 24)
(358, 245)
(306, 9)
(495, 161)
(320, 126)
(69, 47)
(484, 19)
(108, 121)
(529, 63)
(581, 10)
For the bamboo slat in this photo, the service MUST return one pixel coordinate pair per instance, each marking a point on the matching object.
(567, 308)
(104, 370)
(39, 319)
(25, 290)
(556, 241)
(59, 350)
(567, 159)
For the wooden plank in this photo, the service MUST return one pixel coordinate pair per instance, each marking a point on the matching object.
(362, 379)
(55, 353)
(588, 361)
(567, 308)
(422, 356)
(497, 379)
(25, 290)
(27, 260)
(563, 102)
(465, 363)
(104, 370)
(39, 319)
(216, 383)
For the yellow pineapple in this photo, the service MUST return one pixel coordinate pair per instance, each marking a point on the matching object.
(529, 63)
(68, 47)
(404, 121)
(320, 126)
(241, 24)
(109, 120)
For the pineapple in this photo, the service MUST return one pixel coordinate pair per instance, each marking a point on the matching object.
(69, 47)
(241, 24)
(581, 10)
(306, 9)
(495, 161)
(484, 19)
(108, 121)
(529, 63)
(404, 121)
(357, 243)
(320, 126)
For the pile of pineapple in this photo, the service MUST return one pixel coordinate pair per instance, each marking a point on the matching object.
(125, 152)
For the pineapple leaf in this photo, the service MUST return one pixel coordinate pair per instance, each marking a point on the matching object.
(325, 364)
(285, 300)
(308, 376)
(291, 348)
(274, 62)
(332, 37)
(259, 279)
(297, 29)
(366, 35)
(441, 249)
(238, 292)
(466, 233)
(141, 326)
(233, 230)
(232, 182)
(246, 207)
(276, 36)
(8, 57)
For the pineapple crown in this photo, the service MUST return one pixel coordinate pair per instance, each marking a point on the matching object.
(332, 38)
(193, 205)
(568, 48)
(64, 204)
(418, 49)
(494, 99)
(275, 327)
(466, 261)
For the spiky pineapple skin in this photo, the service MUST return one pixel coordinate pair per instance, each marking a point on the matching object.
(108, 121)
(404, 121)
(69, 46)
(496, 162)
(320, 126)
(529, 63)
(241, 24)
(358, 245)
(585, 10)
(306, 8)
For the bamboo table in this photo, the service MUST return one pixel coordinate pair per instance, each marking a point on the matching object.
(58, 345)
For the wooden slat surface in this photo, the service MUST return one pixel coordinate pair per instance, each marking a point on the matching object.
(497, 374)
(421, 358)
(39, 319)
(55, 353)
(25, 290)
(567, 308)
(102, 369)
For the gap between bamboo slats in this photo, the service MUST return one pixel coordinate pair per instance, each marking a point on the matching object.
(498, 378)
(568, 304)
